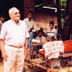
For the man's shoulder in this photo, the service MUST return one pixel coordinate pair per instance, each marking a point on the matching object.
(54, 29)
(25, 19)
(22, 23)
(32, 20)
(7, 22)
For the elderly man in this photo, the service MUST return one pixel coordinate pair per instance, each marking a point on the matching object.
(14, 39)
(30, 26)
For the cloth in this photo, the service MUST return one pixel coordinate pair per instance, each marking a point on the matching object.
(30, 24)
(31, 37)
(14, 34)
(52, 49)
(55, 61)
(15, 56)
(40, 38)
(52, 34)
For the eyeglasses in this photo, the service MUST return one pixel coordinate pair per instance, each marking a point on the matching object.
(17, 13)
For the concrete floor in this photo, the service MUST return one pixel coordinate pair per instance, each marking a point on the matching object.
(64, 69)
(2, 67)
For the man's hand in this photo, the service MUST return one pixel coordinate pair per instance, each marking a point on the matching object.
(25, 53)
(4, 56)
(31, 29)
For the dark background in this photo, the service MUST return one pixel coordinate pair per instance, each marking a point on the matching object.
(5, 5)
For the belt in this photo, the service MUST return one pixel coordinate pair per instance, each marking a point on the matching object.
(15, 46)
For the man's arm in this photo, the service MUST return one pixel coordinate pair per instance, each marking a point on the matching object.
(26, 41)
(2, 36)
(2, 49)
(33, 27)
(26, 47)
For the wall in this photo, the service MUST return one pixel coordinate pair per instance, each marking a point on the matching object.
(43, 17)
(28, 5)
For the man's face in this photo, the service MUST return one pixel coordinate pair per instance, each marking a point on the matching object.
(2, 19)
(40, 34)
(15, 15)
(51, 26)
(30, 16)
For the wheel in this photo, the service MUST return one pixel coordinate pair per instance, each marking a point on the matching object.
(53, 38)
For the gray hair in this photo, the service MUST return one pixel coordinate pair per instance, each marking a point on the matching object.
(11, 10)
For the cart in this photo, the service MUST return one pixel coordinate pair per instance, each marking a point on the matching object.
(33, 60)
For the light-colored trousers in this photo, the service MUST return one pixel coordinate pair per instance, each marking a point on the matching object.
(15, 57)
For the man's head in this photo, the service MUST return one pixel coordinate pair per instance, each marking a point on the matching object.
(2, 17)
(30, 15)
(40, 33)
(51, 25)
(14, 14)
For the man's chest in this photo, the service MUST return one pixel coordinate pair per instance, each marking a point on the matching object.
(14, 30)
(29, 24)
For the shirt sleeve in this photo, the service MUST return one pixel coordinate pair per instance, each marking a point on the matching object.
(3, 32)
(34, 27)
(26, 33)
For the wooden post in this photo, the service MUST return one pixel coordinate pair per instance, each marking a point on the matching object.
(58, 17)
(70, 20)
(67, 29)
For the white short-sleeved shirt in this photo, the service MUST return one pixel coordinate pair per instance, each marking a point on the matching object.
(30, 24)
(52, 34)
(14, 34)
(40, 38)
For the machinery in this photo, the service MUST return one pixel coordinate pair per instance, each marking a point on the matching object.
(39, 60)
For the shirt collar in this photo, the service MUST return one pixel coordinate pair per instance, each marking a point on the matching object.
(40, 37)
(28, 19)
(52, 29)
(14, 22)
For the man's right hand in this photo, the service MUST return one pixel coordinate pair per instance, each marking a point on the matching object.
(4, 56)
(31, 29)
